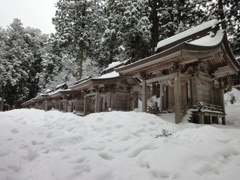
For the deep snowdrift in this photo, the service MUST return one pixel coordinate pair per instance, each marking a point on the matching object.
(38, 145)
(233, 110)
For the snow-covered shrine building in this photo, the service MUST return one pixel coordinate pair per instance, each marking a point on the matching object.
(185, 70)
(89, 95)
(187, 66)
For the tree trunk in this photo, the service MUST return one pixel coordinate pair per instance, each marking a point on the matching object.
(155, 25)
(80, 59)
(2, 102)
(221, 14)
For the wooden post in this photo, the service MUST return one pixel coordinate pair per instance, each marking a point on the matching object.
(2, 102)
(223, 105)
(144, 96)
(108, 100)
(135, 100)
(194, 91)
(210, 118)
(177, 98)
(65, 103)
(201, 118)
(161, 96)
(96, 102)
(46, 105)
(85, 105)
(59, 104)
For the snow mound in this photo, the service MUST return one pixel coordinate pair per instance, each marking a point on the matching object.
(232, 105)
(116, 145)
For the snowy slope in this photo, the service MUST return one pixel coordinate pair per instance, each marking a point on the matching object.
(38, 145)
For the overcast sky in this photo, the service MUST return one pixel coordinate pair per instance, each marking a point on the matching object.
(33, 13)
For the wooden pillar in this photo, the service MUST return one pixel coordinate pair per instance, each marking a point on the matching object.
(177, 98)
(158, 90)
(65, 104)
(59, 104)
(194, 91)
(161, 96)
(97, 102)
(112, 95)
(46, 105)
(201, 118)
(210, 118)
(2, 102)
(144, 96)
(85, 105)
(135, 100)
(109, 101)
(223, 106)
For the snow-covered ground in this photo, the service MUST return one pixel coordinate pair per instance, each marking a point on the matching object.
(38, 145)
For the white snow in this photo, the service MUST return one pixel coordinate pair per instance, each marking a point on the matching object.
(233, 118)
(208, 40)
(113, 64)
(184, 34)
(60, 85)
(108, 75)
(59, 90)
(37, 145)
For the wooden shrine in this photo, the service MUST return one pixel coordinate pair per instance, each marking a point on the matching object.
(187, 67)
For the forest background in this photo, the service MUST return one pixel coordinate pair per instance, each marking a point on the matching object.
(90, 34)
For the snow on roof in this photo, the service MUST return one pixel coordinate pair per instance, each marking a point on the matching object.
(108, 75)
(185, 34)
(112, 65)
(60, 85)
(59, 90)
(82, 80)
(209, 40)
(116, 64)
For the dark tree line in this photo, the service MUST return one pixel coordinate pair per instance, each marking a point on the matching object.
(107, 31)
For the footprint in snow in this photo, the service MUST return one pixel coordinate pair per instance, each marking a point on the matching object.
(15, 131)
(144, 164)
(105, 156)
(99, 119)
(160, 174)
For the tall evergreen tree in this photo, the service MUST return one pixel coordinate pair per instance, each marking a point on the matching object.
(127, 34)
(228, 12)
(76, 24)
(25, 57)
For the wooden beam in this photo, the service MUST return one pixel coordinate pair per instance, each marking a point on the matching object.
(161, 78)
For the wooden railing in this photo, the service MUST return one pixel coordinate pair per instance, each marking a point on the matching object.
(205, 106)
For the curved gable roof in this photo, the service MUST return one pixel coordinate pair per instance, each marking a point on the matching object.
(198, 47)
